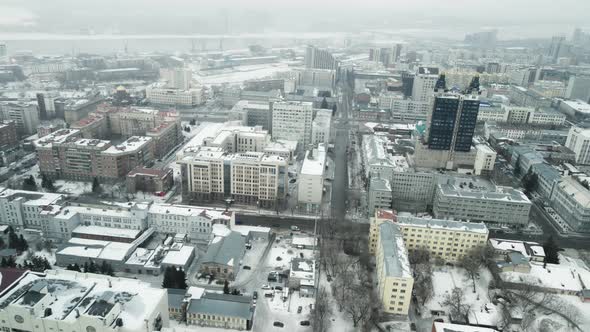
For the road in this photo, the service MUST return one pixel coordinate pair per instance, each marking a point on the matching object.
(342, 126)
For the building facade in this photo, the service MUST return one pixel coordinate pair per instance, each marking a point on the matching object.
(292, 121)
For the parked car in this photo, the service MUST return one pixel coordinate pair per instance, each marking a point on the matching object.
(278, 324)
(304, 323)
(294, 228)
(268, 294)
(279, 288)
(299, 309)
(265, 287)
(255, 295)
(246, 267)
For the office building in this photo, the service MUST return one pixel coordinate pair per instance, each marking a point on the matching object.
(311, 179)
(578, 87)
(238, 139)
(452, 122)
(578, 140)
(312, 79)
(320, 127)
(292, 121)
(175, 97)
(555, 48)
(25, 116)
(149, 180)
(255, 113)
(465, 201)
(209, 173)
(197, 223)
(21, 208)
(67, 300)
(571, 200)
(424, 83)
(316, 58)
(533, 116)
(177, 78)
(394, 276)
(8, 135)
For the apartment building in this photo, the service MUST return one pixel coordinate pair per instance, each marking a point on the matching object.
(488, 113)
(74, 301)
(394, 276)
(379, 194)
(175, 97)
(63, 154)
(318, 58)
(166, 137)
(533, 116)
(94, 126)
(447, 240)
(311, 179)
(424, 82)
(177, 78)
(292, 121)
(8, 136)
(118, 160)
(24, 115)
(320, 127)
(464, 201)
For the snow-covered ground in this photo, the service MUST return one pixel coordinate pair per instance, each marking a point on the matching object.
(75, 188)
(241, 74)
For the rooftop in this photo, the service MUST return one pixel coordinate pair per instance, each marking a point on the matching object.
(30, 197)
(314, 161)
(58, 136)
(499, 194)
(73, 294)
(527, 249)
(415, 221)
(106, 231)
(376, 155)
(577, 105)
(395, 255)
(188, 211)
(132, 144)
(225, 250)
(222, 305)
(572, 188)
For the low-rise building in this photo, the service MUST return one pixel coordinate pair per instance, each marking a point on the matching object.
(68, 300)
(532, 251)
(223, 256)
(571, 200)
(302, 276)
(221, 311)
(501, 205)
(149, 180)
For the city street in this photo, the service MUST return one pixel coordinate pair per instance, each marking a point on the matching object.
(342, 126)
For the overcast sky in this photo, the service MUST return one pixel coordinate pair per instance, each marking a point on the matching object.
(513, 18)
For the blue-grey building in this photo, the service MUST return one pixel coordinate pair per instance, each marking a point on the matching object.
(452, 122)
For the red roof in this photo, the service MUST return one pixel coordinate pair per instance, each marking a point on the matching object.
(387, 214)
(9, 276)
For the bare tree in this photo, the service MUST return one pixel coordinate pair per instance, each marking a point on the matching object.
(423, 289)
(341, 287)
(472, 262)
(418, 255)
(357, 304)
(330, 256)
(322, 311)
(455, 301)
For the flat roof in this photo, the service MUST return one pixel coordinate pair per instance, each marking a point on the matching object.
(442, 224)
(314, 162)
(132, 144)
(395, 255)
(179, 257)
(107, 231)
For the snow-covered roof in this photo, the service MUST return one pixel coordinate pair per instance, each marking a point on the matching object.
(448, 327)
(414, 221)
(114, 251)
(220, 230)
(314, 161)
(190, 211)
(395, 255)
(527, 249)
(227, 250)
(132, 144)
(376, 155)
(33, 198)
(90, 295)
(303, 241)
(245, 230)
(107, 231)
(557, 277)
(179, 257)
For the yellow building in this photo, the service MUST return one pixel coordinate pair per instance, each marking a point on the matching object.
(394, 276)
(448, 240)
(381, 216)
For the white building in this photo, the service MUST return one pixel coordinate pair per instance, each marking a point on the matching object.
(21, 208)
(60, 300)
(321, 79)
(177, 78)
(534, 116)
(578, 140)
(575, 108)
(492, 114)
(485, 158)
(317, 58)
(320, 127)
(193, 221)
(503, 205)
(379, 194)
(239, 139)
(424, 83)
(292, 121)
(571, 200)
(311, 179)
(175, 97)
